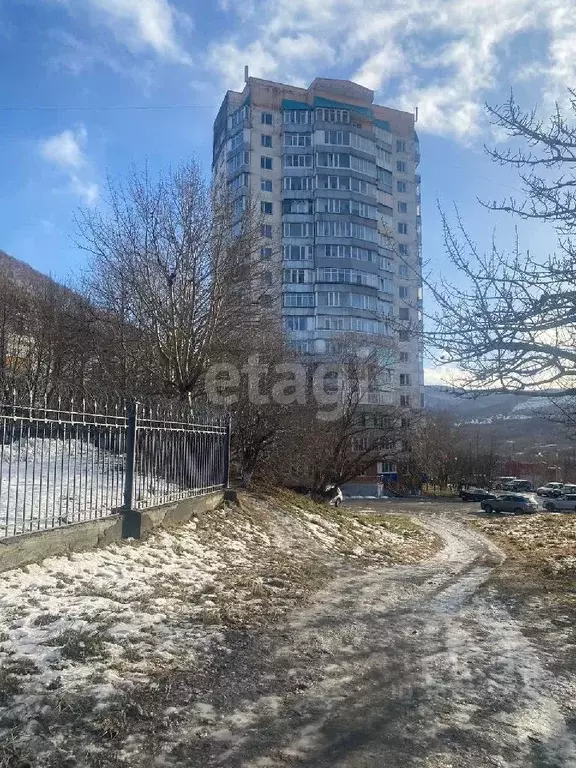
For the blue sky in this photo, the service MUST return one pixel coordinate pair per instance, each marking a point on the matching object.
(89, 86)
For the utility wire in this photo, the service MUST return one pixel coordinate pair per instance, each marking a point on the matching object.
(105, 108)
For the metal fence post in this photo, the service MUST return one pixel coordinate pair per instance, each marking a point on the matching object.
(131, 522)
(227, 451)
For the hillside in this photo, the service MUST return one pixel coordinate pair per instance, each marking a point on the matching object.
(22, 274)
(520, 423)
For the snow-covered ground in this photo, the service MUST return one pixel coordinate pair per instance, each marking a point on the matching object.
(80, 633)
(46, 482)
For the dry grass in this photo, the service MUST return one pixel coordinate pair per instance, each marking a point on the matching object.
(545, 544)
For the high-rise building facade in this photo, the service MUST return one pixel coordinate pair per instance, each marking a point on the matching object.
(337, 184)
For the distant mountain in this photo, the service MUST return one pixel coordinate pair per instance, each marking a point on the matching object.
(24, 276)
(520, 423)
(485, 408)
(20, 272)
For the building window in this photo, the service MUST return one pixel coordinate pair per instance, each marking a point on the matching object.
(333, 115)
(298, 252)
(266, 207)
(404, 336)
(404, 422)
(266, 230)
(298, 161)
(298, 183)
(266, 118)
(236, 141)
(242, 180)
(343, 275)
(405, 401)
(402, 228)
(303, 346)
(403, 270)
(347, 252)
(237, 161)
(297, 206)
(295, 276)
(405, 380)
(340, 228)
(266, 278)
(298, 229)
(403, 291)
(401, 166)
(404, 313)
(421, 401)
(266, 140)
(298, 116)
(296, 323)
(400, 145)
(402, 207)
(298, 300)
(401, 186)
(347, 183)
(266, 163)
(347, 323)
(343, 205)
(297, 140)
(403, 249)
(265, 254)
(385, 179)
(266, 185)
(403, 357)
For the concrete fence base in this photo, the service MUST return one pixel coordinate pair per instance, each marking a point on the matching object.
(137, 524)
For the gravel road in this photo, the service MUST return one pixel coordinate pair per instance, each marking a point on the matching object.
(405, 666)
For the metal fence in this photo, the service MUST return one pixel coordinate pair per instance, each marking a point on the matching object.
(65, 464)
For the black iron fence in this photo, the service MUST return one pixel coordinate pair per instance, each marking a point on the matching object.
(62, 464)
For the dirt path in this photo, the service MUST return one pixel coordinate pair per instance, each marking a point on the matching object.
(405, 666)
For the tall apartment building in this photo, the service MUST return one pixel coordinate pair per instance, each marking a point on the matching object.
(336, 178)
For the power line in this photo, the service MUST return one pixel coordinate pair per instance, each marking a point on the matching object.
(137, 107)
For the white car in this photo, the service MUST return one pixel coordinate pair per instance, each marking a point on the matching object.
(333, 495)
(565, 503)
(550, 489)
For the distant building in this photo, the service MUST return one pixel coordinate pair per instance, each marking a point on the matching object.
(336, 178)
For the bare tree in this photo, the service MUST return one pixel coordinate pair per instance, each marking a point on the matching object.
(447, 453)
(174, 273)
(508, 322)
(46, 340)
(355, 424)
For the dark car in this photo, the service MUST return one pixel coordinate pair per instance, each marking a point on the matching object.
(520, 485)
(476, 494)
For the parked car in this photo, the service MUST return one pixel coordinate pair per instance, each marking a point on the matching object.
(333, 495)
(510, 502)
(499, 482)
(476, 494)
(565, 503)
(550, 489)
(520, 485)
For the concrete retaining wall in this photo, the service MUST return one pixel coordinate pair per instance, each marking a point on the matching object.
(34, 547)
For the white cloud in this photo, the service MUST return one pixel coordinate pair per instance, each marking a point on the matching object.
(144, 23)
(65, 151)
(444, 56)
(87, 191)
(139, 25)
